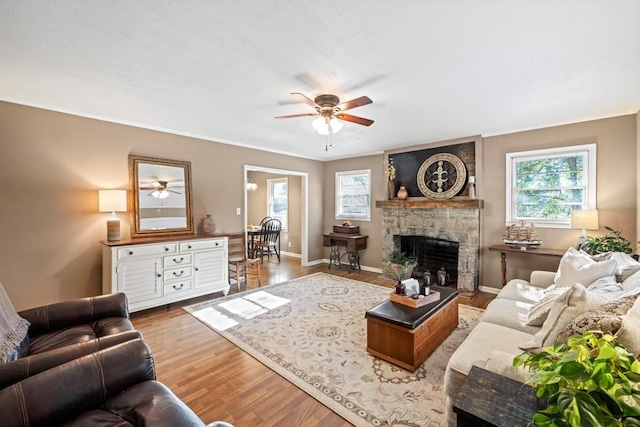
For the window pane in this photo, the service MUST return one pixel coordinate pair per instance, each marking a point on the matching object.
(353, 195)
(278, 201)
(548, 184)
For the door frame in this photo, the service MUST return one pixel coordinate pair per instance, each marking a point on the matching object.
(304, 203)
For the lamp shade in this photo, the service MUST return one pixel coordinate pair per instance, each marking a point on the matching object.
(585, 220)
(112, 200)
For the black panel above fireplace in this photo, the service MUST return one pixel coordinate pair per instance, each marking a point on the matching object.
(431, 254)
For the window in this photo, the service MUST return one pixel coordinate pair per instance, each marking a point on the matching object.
(278, 200)
(544, 186)
(353, 195)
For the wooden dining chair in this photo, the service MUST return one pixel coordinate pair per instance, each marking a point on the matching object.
(269, 239)
(240, 267)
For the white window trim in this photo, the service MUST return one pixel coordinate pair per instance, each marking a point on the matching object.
(590, 172)
(269, 181)
(337, 195)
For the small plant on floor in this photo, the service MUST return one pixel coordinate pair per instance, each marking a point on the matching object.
(590, 381)
(399, 266)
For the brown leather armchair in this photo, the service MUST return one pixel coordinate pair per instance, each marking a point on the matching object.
(115, 386)
(67, 330)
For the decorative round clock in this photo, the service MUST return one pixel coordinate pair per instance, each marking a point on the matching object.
(441, 176)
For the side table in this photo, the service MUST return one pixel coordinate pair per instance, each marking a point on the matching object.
(487, 399)
(504, 249)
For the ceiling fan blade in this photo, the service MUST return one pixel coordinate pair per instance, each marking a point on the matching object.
(354, 119)
(306, 100)
(296, 115)
(354, 103)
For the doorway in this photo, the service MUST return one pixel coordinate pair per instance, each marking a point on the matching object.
(296, 236)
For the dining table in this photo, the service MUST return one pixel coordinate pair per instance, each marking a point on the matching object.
(252, 233)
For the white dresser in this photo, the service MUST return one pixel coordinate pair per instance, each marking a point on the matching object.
(154, 272)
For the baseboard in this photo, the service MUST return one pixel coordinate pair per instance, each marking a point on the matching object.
(346, 265)
(291, 254)
(488, 289)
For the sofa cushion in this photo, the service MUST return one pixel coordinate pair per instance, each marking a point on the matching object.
(61, 338)
(539, 311)
(521, 290)
(576, 267)
(483, 340)
(509, 313)
(606, 318)
(632, 282)
(570, 304)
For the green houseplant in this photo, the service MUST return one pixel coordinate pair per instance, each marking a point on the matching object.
(610, 242)
(591, 380)
(399, 266)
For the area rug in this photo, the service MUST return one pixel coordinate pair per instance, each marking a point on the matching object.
(312, 331)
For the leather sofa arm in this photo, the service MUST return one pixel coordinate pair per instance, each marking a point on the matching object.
(63, 314)
(59, 394)
(17, 370)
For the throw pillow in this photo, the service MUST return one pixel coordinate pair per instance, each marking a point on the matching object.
(13, 328)
(598, 257)
(606, 318)
(632, 282)
(627, 266)
(629, 333)
(580, 268)
(605, 285)
(539, 311)
(565, 308)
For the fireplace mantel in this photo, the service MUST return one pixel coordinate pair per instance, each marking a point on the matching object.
(424, 203)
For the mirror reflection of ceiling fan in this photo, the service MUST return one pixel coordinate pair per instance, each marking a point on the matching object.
(331, 112)
(160, 190)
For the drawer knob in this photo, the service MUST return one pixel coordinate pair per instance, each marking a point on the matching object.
(178, 275)
(189, 246)
(177, 288)
(216, 243)
(130, 252)
(159, 275)
(196, 269)
(166, 249)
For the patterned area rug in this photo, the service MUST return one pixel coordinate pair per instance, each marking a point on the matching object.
(312, 331)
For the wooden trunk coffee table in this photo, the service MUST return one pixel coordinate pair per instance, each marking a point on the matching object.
(406, 336)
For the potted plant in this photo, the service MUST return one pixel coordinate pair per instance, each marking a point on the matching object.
(591, 380)
(610, 242)
(399, 267)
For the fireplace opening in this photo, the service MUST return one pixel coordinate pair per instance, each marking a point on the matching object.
(431, 254)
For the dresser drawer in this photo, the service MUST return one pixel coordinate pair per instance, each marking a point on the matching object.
(146, 250)
(177, 260)
(178, 274)
(198, 245)
(180, 286)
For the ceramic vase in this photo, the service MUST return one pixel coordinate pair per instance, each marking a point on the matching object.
(402, 193)
(208, 224)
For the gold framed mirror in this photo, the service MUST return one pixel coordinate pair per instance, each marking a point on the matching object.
(159, 196)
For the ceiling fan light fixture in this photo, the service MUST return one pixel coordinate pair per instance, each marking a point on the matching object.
(160, 194)
(324, 126)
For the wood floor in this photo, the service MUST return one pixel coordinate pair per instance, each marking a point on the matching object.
(221, 382)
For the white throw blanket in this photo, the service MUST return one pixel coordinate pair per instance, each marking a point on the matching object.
(13, 328)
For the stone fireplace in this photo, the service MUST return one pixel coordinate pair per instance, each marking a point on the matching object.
(455, 221)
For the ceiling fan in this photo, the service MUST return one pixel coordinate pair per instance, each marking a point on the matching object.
(331, 111)
(160, 190)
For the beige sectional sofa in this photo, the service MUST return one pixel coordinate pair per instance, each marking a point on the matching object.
(502, 332)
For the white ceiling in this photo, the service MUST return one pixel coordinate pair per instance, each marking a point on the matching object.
(221, 70)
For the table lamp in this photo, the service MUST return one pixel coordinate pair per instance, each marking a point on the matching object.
(112, 201)
(585, 220)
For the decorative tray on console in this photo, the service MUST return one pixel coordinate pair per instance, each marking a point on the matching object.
(415, 303)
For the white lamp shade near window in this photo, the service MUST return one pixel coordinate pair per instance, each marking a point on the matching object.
(112, 201)
(585, 220)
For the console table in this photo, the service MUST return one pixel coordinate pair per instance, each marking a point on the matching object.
(504, 249)
(352, 242)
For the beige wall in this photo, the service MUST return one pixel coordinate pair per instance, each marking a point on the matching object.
(372, 256)
(257, 207)
(616, 188)
(52, 165)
